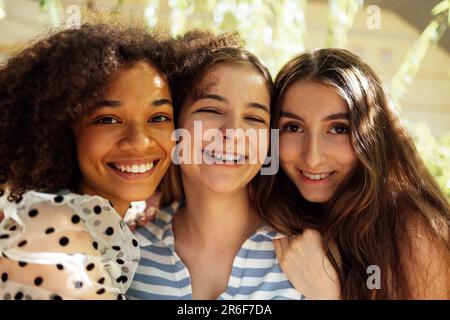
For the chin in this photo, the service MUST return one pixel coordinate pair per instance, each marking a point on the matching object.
(316, 197)
(137, 195)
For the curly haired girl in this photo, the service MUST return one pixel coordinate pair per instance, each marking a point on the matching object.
(86, 118)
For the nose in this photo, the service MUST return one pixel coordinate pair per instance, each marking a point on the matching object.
(231, 129)
(313, 152)
(136, 138)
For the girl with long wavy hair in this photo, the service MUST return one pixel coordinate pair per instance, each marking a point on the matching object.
(353, 188)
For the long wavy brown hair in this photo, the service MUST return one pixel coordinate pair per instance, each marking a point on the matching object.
(371, 218)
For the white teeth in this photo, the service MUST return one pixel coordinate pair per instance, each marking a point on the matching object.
(224, 157)
(135, 168)
(316, 176)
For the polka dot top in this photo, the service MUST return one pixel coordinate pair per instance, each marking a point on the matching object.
(70, 246)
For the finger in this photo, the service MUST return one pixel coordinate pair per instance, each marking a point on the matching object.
(132, 225)
(150, 213)
(153, 201)
(141, 220)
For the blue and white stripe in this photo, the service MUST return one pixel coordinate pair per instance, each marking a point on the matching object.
(255, 274)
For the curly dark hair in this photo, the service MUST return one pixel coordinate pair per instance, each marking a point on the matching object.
(46, 88)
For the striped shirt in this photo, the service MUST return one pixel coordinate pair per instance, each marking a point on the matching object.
(161, 275)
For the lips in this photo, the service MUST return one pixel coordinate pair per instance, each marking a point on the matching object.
(319, 176)
(223, 157)
(133, 169)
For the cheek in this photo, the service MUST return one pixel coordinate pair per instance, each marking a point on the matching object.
(289, 150)
(345, 156)
(163, 136)
(92, 147)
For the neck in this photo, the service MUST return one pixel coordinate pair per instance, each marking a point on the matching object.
(211, 218)
(120, 206)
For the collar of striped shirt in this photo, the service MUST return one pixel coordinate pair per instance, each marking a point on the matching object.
(255, 274)
(163, 221)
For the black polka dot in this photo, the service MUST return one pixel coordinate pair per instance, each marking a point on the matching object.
(95, 245)
(2, 192)
(59, 266)
(22, 264)
(19, 199)
(18, 296)
(22, 243)
(120, 297)
(4, 236)
(59, 199)
(101, 281)
(130, 206)
(97, 210)
(122, 279)
(90, 266)
(49, 230)
(33, 213)
(101, 291)
(120, 261)
(78, 284)
(109, 231)
(55, 297)
(64, 241)
(117, 248)
(13, 228)
(75, 219)
(4, 277)
(38, 281)
(135, 243)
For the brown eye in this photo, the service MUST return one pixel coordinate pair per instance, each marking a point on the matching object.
(340, 129)
(106, 120)
(160, 118)
(292, 127)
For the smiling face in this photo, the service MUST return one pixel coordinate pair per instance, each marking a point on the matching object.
(124, 147)
(231, 96)
(315, 148)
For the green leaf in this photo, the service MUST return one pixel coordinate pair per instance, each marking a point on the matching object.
(441, 7)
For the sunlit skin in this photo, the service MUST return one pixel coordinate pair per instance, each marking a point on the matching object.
(315, 148)
(217, 217)
(223, 106)
(132, 126)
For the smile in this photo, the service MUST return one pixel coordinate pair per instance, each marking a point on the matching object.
(316, 176)
(134, 169)
(224, 156)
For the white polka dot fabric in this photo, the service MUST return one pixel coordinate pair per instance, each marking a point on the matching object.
(65, 247)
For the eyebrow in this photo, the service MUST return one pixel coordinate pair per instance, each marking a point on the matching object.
(336, 116)
(117, 103)
(223, 99)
